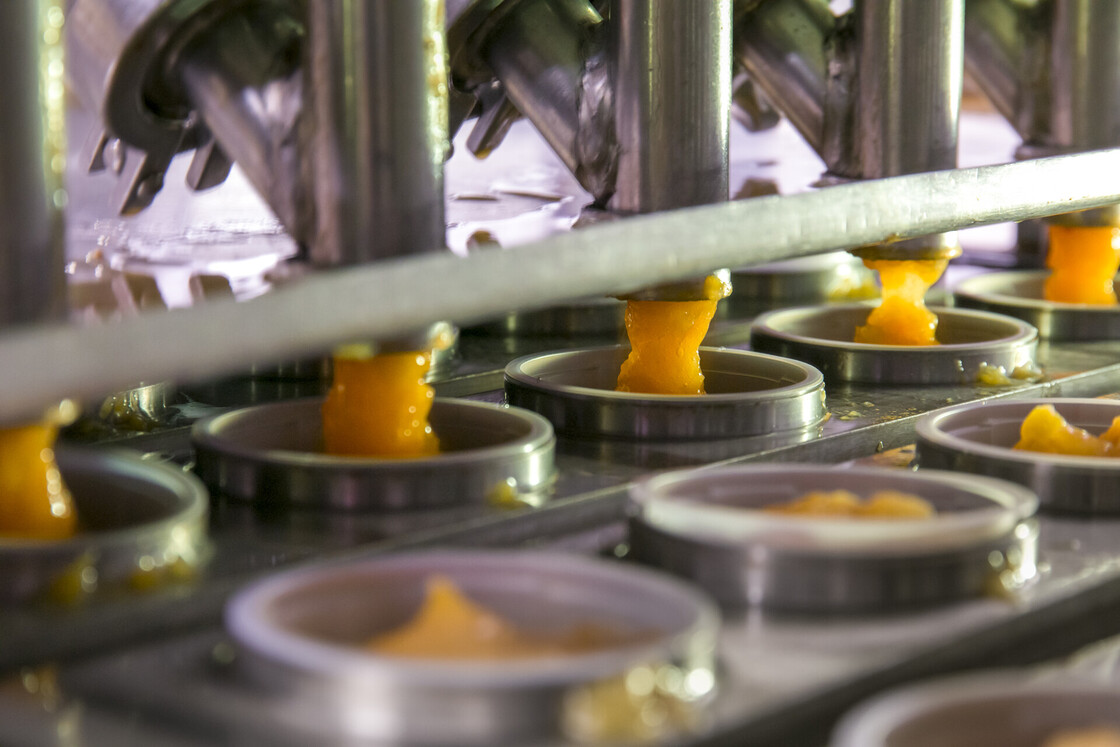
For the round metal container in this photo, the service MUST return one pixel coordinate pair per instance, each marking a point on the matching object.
(591, 317)
(822, 336)
(1019, 294)
(749, 394)
(992, 708)
(835, 276)
(140, 408)
(301, 634)
(978, 438)
(269, 454)
(137, 519)
(704, 525)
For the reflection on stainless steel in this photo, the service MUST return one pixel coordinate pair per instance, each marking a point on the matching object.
(1019, 294)
(706, 526)
(33, 157)
(1000, 707)
(138, 519)
(749, 394)
(299, 635)
(822, 336)
(271, 455)
(619, 257)
(978, 439)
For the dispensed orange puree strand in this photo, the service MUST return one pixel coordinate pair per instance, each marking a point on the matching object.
(378, 405)
(902, 318)
(450, 626)
(34, 503)
(1045, 430)
(665, 339)
(1083, 261)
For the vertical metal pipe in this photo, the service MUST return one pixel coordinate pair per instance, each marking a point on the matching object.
(783, 45)
(1085, 74)
(377, 84)
(672, 102)
(32, 162)
(909, 73)
(910, 69)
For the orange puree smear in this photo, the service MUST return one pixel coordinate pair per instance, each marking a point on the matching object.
(451, 626)
(884, 504)
(1046, 431)
(665, 339)
(1093, 736)
(34, 503)
(902, 318)
(1083, 261)
(378, 406)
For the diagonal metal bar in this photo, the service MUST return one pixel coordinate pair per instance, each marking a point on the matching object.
(385, 300)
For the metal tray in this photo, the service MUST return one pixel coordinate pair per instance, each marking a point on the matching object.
(700, 525)
(978, 437)
(749, 394)
(269, 454)
(822, 336)
(1019, 294)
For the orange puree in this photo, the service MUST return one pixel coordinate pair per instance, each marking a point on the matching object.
(902, 318)
(378, 406)
(34, 504)
(665, 339)
(884, 504)
(451, 626)
(1083, 261)
(1094, 736)
(1046, 431)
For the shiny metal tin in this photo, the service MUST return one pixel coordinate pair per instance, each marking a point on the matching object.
(142, 406)
(300, 634)
(834, 276)
(749, 394)
(978, 437)
(136, 517)
(589, 317)
(1003, 708)
(1019, 294)
(702, 525)
(269, 454)
(822, 336)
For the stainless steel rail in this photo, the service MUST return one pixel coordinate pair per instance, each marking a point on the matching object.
(400, 296)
